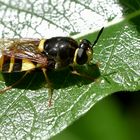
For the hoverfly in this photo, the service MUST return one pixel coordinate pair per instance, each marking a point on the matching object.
(56, 53)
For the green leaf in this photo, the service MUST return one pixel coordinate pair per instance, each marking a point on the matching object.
(24, 112)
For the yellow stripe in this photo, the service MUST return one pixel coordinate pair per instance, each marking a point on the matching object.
(1, 62)
(27, 65)
(12, 60)
(75, 55)
(41, 45)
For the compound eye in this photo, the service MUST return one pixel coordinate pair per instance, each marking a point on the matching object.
(81, 57)
(85, 44)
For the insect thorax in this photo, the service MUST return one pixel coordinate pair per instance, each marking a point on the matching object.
(61, 50)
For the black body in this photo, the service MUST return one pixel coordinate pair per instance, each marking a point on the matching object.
(60, 50)
(54, 53)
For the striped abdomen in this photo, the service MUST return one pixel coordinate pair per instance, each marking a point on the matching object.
(11, 64)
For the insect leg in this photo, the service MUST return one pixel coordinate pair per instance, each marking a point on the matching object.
(83, 75)
(14, 84)
(49, 86)
(75, 72)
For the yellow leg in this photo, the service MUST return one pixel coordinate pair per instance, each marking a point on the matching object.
(83, 75)
(49, 86)
(14, 84)
(75, 72)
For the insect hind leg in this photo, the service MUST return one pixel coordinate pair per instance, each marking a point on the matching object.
(14, 84)
(49, 86)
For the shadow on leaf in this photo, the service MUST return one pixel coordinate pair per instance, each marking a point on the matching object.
(59, 79)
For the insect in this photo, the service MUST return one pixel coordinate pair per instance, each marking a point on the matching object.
(18, 55)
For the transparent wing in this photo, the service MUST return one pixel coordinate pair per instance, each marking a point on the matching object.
(22, 49)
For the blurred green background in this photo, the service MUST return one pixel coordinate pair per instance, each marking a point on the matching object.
(116, 117)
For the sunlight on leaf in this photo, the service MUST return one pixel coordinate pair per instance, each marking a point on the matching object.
(24, 112)
(36, 19)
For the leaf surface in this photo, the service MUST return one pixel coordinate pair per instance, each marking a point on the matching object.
(24, 112)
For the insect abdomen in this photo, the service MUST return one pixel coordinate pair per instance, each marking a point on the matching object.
(11, 64)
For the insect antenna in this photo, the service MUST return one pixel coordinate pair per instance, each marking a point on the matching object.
(98, 36)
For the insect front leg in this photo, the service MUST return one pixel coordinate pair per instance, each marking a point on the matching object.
(75, 72)
(49, 86)
(83, 75)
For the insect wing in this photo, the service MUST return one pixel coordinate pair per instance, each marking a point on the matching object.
(20, 55)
